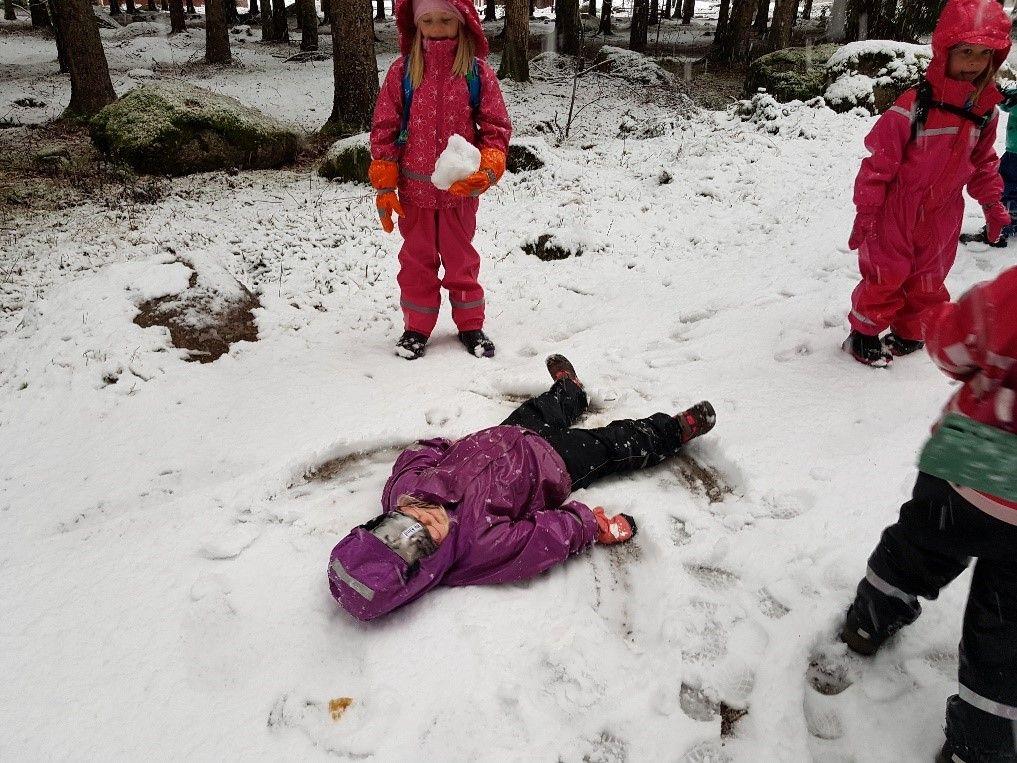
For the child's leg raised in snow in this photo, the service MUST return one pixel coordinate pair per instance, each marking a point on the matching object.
(556, 409)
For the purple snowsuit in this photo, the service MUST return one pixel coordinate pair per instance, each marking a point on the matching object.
(504, 489)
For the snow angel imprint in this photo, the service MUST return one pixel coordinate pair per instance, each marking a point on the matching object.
(492, 507)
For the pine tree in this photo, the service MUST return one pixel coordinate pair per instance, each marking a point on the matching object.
(637, 32)
(354, 67)
(309, 29)
(514, 62)
(178, 23)
(78, 33)
(217, 34)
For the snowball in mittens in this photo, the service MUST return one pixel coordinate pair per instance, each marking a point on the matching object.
(458, 161)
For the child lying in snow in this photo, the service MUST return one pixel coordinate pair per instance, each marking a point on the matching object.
(944, 525)
(489, 508)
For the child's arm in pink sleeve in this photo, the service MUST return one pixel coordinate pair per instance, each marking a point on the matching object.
(986, 185)
(388, 115)
(493, 124)
(886, 143)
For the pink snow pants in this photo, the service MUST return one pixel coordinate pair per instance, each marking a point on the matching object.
(433, 237)
(903, 275)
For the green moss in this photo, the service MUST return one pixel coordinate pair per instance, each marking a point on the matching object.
(177, 129)
(790, 74)
(348, 159)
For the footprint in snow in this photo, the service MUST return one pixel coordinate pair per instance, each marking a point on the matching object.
(608, 748)
(706, 752)
(231, 543)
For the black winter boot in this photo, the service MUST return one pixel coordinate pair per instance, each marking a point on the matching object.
(561, 368)
(696, 421)
(867, 349)
(477, 343)
(982, 238)
(411, 345)
(899, 346)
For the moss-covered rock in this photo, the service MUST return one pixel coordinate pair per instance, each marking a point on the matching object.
(348, 159)
(525, 155)
(792, 74)
(172, 128)
(872, 74)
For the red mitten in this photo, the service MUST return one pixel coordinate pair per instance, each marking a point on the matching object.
(616, 529)
(492, 167)
(996, 218)
(862, 229)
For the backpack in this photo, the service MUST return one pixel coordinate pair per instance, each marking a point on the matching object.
(472, 82)
(924, 102)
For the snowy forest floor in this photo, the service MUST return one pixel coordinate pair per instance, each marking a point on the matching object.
(166, 524)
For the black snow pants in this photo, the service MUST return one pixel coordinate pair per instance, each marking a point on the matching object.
(590, 454)
(931, 544)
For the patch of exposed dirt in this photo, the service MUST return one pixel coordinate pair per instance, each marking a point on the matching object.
(220, 322)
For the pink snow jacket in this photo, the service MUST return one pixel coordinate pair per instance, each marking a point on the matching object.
(440, 108)
(975, 340)
(504, 489)
(908, 182)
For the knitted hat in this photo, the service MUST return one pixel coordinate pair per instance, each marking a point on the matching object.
(423, 7)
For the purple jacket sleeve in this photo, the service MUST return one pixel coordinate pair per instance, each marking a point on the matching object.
(494, 128)
(986, 185)
(411, 462)
(523, 548)
(388, 115)
(886, 143)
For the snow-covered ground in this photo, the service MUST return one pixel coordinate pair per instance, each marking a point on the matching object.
(163, 550)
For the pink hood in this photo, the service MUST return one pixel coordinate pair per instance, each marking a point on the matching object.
(408, 30)
(977, 22)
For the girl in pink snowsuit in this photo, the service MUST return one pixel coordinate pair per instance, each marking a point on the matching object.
(441, 86)
(933, 141)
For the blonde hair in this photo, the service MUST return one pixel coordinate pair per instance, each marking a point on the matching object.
(460, 67)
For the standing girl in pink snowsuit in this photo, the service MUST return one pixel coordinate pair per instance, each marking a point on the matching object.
(933, 141)
(441, 86)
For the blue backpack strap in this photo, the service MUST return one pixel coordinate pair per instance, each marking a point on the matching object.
(473, 82)
(404, 128)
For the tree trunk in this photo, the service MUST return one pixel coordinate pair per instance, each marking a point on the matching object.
(732, 45)
(593, 9)
(637, 32)
(654, 12)
(281, 31)
(605, 18)
(490, 11)
(380, 15)
(177, 21)
(232, 14)
(61, 44)
(783, 24)
(688, 11)
(666, 12)
(267, 25)
(190, 8)
(9, 13)
(253, 8)
(114, 8)
(78, 31)
(723, 17)
(566, 26)
(354, 66)
(807, 10)
(152, 6)
(40, 13)
(533, 8)
(762, 17)
(309, 31)
(514, 62)
(217, 34)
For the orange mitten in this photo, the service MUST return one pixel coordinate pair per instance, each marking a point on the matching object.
(492, 167)
(384, 176)
(616, 529)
